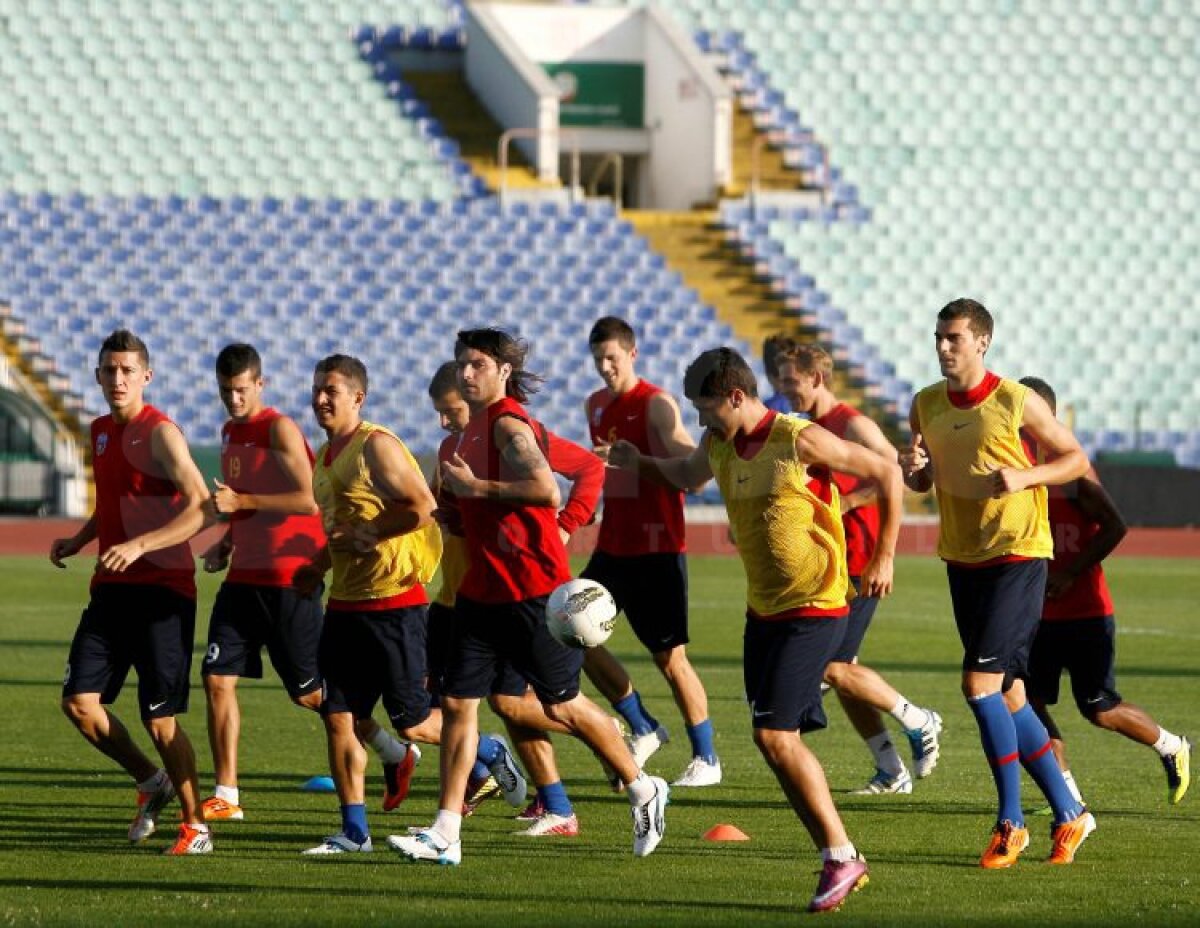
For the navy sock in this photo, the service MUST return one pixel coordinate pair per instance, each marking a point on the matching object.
(354, 822)
(489, 749)
(640, 721)
(999, 737)
(701, 736)
(1037, 758)
(554, 798)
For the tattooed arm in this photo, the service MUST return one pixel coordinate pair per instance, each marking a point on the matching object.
(527, 476)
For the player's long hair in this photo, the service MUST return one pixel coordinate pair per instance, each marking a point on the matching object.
(503, 349)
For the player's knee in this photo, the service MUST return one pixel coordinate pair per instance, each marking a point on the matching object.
(506, 706)
(1102, 718)
(161, 730)
(769, 742)
(309, 700)
(671, 660)
(836, 673)
(79, 711)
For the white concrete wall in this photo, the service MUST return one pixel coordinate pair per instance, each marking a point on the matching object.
(689, 116)
(552, 34)
(517, 92)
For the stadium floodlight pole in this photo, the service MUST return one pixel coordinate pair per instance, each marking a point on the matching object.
(508, 135)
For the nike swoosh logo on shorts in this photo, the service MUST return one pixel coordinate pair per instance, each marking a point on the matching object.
(306, 682)
(760, 713)
(984, 660)
(154, 707)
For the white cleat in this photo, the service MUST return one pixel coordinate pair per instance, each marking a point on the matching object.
(339, 844)
(885, 783)
(649, 819)
(642, 747)
(427, 845)
(508, 775)
(145, 821)
(564, 826)
(924, 744)
(700, 772)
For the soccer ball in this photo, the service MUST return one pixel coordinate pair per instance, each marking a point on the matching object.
(581, 614)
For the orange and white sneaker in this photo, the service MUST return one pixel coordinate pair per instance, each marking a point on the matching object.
(1069, 835)
(216, 809)
(563, 826)
(193, 839)
(397, 778)
(1008, 840)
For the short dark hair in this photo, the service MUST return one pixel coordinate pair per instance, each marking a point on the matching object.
(445, 380)
(772, 347)
(1042, 389)
(609, 329)
(503, 349)
(237, 359)
(124, 340)
(344, 364)
(718, 372)
(978, 318)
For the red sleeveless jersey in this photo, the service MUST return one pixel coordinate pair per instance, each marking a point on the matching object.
(268, 547)
(134, 496)
(514, 549)
(861, 525)
(639, 517)
(1088, 596)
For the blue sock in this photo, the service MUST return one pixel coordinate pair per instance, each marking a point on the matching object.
(999, 737)
(701, 736)
(488, 750)
(640, 721)
(554, 798)
(354, 822)
(1039, 760)
(480, 771)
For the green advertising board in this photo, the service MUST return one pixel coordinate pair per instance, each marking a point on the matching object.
(595, 93)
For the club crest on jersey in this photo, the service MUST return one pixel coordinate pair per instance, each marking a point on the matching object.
(224, 441)
(101, 443)
(597, 415)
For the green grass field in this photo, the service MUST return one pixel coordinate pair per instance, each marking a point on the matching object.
(64, 808)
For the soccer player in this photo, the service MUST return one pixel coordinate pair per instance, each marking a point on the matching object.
(274, 529)
(550, 812)
(774, 475)
(142, 612)
(995, 539)
(508, 500)
(771, 347)
(639, 553)
(805, 378)
(383, 546)
(1078, 632)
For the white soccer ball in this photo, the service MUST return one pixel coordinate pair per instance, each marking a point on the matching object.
(581, 614)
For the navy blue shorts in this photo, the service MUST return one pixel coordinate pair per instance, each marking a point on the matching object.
(440, 641)
(245, 618)
(495, 644)
(783, 666)
(997, 610)
(366, 656)
(148, 628)
(1084, 648)
(652, 590)
(862, 610)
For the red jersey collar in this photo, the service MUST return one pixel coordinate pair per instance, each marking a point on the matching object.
(747, 444)
(969, 399)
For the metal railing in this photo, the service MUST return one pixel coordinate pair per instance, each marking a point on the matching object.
(617, 163)
(527, 133)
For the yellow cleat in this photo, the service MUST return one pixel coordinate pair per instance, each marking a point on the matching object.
(1179, 772)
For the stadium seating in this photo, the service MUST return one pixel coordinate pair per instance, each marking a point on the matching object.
(389, 281)
(1035, 156)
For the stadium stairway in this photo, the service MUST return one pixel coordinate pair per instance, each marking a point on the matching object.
(774, 173)
(465, 121)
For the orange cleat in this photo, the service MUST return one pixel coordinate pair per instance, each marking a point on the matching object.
(1006, 845)
(193, 839)
(1069, 835)
(216, 809)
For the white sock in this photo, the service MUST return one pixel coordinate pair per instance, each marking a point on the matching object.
(640, 790)
(449, 825)
(231, 794)
(908, 715)
(884, 752)
(1072, 786)
(841, 855)
(1167, 743)
(150, 785)
(389, 749)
